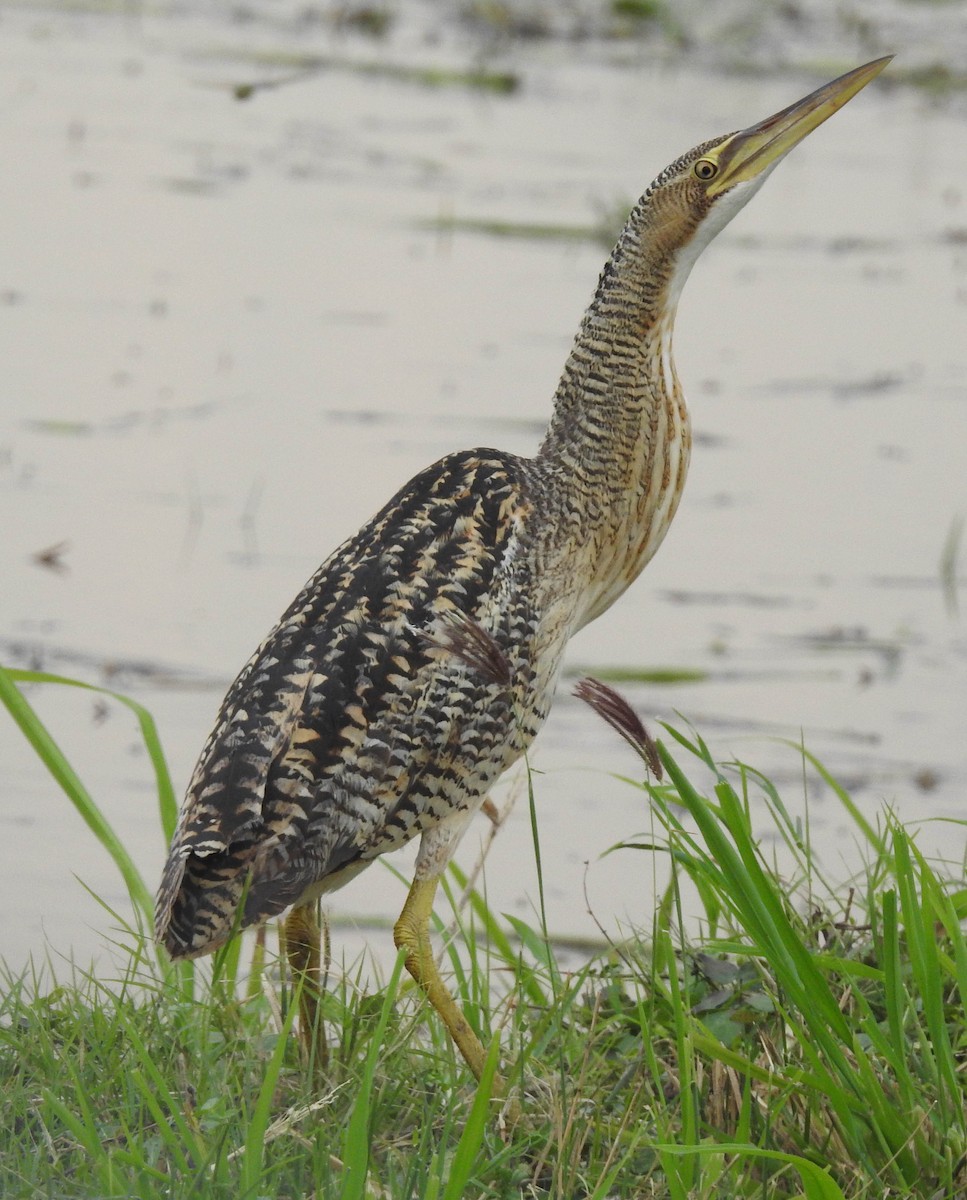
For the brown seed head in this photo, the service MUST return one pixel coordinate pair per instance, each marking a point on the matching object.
(615, 709)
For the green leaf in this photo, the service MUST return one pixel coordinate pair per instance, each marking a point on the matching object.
(471, 1139)
(817, 1183)
(356, 1144)
(55, 761)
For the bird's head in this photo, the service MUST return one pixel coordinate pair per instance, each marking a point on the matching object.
(697, 196)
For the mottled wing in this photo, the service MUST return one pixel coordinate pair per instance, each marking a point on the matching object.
(355, 726)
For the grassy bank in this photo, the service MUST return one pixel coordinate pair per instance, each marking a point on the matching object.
(800, 1038)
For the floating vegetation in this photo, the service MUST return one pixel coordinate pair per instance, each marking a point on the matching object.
(659, 675)
(639, 10)
(296, 66)
(949, 559)
(600, 233)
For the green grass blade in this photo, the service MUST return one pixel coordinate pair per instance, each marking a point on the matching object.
(536, 944)
(753, 893)
(252, 1183)
(53, 758)
(471, 1139)
(894, 995)
(81, 1124)
(469, 981)
(167, 802)
(825, 1036)
(875, 840)
(179, 1137)
(356, 1145)
(499, 940)
(950, 917)
(918, 888)
(536, 840)
(817, 1183)
(168, 1127)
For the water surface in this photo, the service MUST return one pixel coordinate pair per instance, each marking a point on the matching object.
(231, 329)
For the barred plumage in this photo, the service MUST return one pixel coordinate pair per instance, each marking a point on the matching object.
(349, 731)
(359, 722)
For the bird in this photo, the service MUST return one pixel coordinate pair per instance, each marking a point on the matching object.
(420, 660)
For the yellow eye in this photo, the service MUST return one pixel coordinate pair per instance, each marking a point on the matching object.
(706, 169)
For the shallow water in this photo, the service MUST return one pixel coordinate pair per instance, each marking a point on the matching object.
(230, 330)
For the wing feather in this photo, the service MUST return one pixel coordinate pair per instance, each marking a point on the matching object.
(351, 729)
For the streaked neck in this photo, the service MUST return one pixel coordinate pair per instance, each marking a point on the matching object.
(618, 443)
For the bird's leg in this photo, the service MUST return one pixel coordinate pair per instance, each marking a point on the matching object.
(302, 939)
(412, 934)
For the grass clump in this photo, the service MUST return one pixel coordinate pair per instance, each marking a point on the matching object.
(793, 1039)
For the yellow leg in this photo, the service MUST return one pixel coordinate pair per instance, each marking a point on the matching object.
(302, 939)
(412, 934)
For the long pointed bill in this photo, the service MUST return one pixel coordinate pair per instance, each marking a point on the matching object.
(747, 154)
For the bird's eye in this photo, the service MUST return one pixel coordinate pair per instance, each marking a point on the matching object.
(705, 168)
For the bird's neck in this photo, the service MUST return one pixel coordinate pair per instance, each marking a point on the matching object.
(617, 447)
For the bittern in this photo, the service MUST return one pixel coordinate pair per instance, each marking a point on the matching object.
(362, 720)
